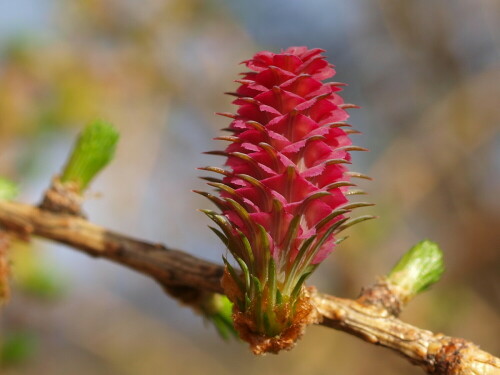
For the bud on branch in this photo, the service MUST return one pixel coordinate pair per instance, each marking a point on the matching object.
(93, 150)
(417, 270)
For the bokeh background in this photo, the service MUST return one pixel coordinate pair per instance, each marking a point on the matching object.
(427, 76)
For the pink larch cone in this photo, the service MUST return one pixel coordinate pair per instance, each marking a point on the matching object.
(283, 196)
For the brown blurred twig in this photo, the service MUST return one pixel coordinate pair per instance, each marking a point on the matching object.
(187, 277)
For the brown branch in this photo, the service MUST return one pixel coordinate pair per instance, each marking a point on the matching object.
(436, 353)
(187, 277)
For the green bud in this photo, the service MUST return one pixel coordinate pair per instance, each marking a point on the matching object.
(218, 309)
(93, 150)
(418, 269)
(8, 190)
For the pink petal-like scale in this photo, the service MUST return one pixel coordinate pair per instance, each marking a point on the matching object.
(287, 130)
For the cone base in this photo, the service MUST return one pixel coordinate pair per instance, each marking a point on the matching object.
(260, 343)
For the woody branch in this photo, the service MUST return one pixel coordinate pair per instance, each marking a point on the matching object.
(371, 317)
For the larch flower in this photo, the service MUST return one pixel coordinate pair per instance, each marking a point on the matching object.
(283, 196)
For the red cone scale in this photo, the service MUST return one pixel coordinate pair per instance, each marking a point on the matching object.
(283, 195)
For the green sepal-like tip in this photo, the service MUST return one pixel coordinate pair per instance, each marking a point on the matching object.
(418, 269)
(93, 150)
(8, 189)
(218, 309)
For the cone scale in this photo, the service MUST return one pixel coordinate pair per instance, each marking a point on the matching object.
(282, 196)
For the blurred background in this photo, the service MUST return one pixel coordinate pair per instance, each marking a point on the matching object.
(427, 76)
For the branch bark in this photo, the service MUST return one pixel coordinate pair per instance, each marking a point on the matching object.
(187, 278)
